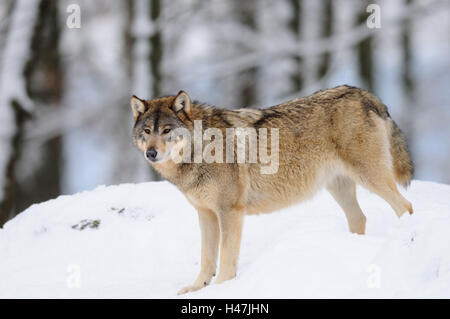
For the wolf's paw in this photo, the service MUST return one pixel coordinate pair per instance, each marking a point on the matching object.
(220, 279)
(191, 288)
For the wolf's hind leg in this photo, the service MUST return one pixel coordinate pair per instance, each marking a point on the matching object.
(380, 180)
(343, 190)
(209, 227)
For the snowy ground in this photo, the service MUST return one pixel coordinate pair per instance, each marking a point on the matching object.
(143, 241)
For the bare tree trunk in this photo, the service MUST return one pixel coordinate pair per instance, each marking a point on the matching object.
(311, 31)
(364, 49)
(248, 79)
(295, 27)
(14, 102)
(7, 205)
(408, 83)
(128, 37)
(326, 33)
(6, 8)
(146, 49)
(155, 58)
(156, 51)
(44, 78)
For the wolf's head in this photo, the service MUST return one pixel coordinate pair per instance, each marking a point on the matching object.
(158, 123)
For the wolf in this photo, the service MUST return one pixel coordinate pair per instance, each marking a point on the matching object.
(334, 139)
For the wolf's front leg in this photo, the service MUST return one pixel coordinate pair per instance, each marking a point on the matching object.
(209, 228)
(230, 224)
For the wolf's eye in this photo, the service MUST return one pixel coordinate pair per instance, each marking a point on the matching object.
(167, 130)
(147, 131)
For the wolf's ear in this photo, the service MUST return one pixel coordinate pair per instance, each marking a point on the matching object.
(182, 102)
(138, 106)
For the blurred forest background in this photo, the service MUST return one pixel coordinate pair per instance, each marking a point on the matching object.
(65, 120)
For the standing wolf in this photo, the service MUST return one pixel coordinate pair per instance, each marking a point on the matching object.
(335, 138)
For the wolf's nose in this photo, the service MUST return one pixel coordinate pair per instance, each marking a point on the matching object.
(151, 154)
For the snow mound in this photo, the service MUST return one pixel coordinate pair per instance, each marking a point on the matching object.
(143, 241)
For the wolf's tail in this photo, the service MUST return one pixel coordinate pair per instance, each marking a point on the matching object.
(403, 165)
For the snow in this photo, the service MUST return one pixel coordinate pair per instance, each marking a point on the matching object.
(145, 243)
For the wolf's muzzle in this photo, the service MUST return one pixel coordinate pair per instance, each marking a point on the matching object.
(151, 154)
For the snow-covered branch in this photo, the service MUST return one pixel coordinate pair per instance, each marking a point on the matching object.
(310, 48)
